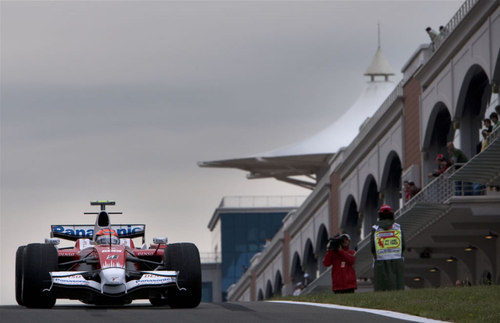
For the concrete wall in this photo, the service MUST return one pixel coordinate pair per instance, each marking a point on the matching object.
(211, 272)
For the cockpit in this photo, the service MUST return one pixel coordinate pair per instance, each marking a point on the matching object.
(107, 239)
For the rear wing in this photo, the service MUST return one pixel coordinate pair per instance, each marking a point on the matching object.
(74, 232)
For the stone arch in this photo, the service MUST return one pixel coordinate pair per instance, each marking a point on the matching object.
(391, 181)
(278, 284)
(260, 295)
(496, 72)
(369, 204)
(439, 131)
(320, 250)
(352, 222)
(472, 102)
(296, 272)
(269, 290)
(309, 261)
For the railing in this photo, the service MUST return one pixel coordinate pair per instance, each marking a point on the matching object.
(494, 135)
(443, 187)
(210, 257)
(262, 201)
(454, 22)
(437, 191)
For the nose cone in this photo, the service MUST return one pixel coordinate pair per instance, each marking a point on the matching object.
(113, 280)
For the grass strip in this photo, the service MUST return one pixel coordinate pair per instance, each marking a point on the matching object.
(456, 304)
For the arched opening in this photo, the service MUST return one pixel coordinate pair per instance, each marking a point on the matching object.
(321, 241)
(269, 290)
(278, 284)
(352, 222)
(369, 204)
(391, 181)
(310, 264)
(496, 73)
(471, 106)
(439, 132)
(296, 271)
(495, 88)
(260, 295)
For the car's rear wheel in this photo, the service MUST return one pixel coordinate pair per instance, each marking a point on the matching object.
(185, 258)
(19, 275)
(38, 261)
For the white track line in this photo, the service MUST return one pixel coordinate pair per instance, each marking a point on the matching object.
(396, 315)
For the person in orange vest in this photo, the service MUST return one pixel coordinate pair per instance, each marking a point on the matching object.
(387, 246)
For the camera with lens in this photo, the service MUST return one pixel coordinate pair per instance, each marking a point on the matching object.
(334, 243)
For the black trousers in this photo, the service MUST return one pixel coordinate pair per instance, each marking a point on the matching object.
(344, 291)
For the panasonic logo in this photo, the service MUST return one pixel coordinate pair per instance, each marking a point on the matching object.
(88, 231)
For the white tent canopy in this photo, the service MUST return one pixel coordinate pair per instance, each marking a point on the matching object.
(310, 156)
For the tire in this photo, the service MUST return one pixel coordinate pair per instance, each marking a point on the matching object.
(19, 275)
(185, 258)
(38, 260)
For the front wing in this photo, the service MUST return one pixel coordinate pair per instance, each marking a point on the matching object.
(76, 279)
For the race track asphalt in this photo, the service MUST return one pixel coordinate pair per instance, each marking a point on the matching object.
(206, 312)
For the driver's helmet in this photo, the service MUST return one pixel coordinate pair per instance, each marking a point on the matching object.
(107, 236)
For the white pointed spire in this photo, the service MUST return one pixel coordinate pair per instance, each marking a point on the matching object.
(379, 65)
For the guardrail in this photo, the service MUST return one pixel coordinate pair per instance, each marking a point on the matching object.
(437, 191)
(262, 201)
(454, 22)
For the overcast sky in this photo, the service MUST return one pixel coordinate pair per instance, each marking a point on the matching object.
(119, 100)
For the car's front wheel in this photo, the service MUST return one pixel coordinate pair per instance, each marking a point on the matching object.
(38, 261)
(185, 258)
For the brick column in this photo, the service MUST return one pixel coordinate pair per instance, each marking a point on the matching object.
(411, 113)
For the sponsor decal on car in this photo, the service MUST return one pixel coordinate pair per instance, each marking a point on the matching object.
(88, 230)
(71, 280)
(151, 279)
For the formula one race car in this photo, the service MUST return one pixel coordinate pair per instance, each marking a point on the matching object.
(105, 268)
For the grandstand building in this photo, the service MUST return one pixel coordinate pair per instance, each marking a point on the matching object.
(452, 225)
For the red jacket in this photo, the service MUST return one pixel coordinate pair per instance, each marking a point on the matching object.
(342, 262)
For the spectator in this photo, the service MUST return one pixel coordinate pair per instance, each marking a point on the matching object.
(413, 189)
(494, 119)
(406, 189)
(342, 259)
(442, 163)
(298, 289)
(432, 34)
(306, 279)
(494, 123)
(443, 31)
(458, 157)
(487, 125)
(387, 245)
(455, 154)
(484, 143)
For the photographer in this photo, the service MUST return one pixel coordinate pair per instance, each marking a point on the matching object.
(342, 259)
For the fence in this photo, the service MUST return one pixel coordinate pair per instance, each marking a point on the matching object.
(454, 22)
